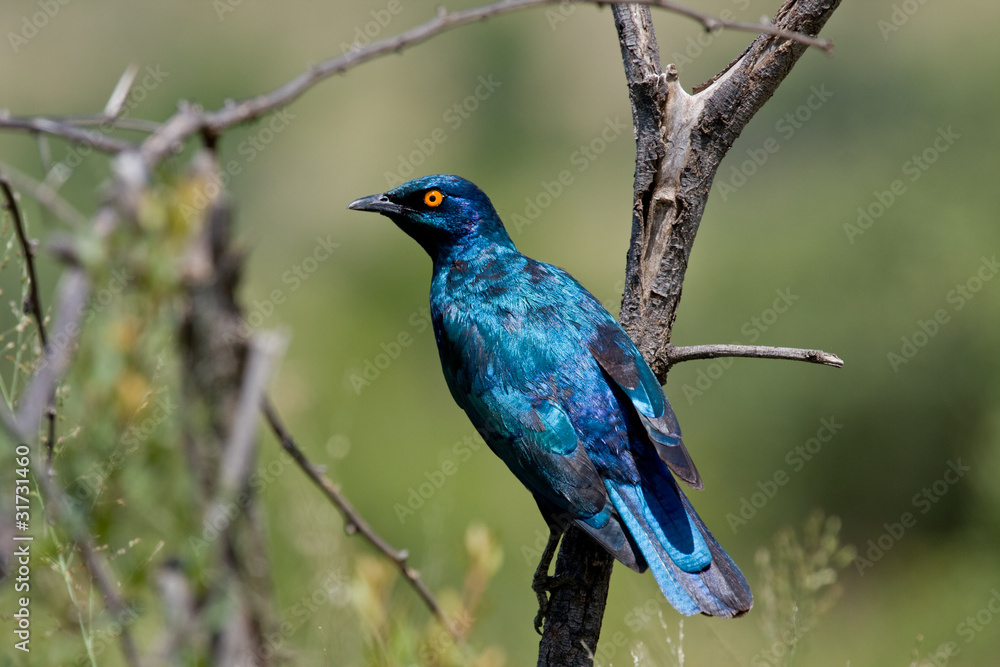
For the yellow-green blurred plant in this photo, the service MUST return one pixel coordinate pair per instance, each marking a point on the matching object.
(118, 409)
(392, 639)
(798, 582)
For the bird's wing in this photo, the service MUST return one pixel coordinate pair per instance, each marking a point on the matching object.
(538, 443)
(520, 412)
(507, 386)
(618, 357)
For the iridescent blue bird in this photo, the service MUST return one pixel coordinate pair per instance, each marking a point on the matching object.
(561, 394)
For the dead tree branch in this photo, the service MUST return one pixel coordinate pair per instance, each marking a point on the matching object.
(675, 355)
(66, 130)
(44, 194)
(219, 389)
(680, 141)
(671, 187)
(191, 120)
(40, 396)
(240, 452)
(353, 521)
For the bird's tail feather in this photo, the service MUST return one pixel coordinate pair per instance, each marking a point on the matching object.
(691, 569)
(722, 578)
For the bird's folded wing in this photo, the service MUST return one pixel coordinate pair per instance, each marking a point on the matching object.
(537, 441)
(617, 355)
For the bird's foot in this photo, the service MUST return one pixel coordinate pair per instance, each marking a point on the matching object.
(543, 585)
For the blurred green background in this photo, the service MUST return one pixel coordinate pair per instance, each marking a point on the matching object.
(782, 232)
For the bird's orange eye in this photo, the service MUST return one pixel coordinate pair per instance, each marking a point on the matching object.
(433, 198)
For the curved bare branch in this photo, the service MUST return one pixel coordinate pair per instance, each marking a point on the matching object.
(191, 120)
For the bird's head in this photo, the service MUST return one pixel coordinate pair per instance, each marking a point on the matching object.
(440, 212)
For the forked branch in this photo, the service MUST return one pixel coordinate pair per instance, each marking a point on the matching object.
(672, 186)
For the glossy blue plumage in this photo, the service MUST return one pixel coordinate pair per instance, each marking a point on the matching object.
(561, 395)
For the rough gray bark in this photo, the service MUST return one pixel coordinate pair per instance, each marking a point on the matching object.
(671, 187)
(680, 142)
(576, 609)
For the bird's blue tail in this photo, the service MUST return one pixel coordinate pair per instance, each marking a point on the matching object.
(692, 570)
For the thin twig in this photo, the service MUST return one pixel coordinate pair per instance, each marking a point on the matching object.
(120, 94)
(713, 23)
(190, 120)
(675, 355)
(35, 305)
(44, 194)
(57, 128)
(354, 523)
(119, 122)
(35, 299)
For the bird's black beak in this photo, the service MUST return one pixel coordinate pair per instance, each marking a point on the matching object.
(378, 203)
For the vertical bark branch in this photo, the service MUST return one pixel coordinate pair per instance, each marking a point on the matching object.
(576, 608)
(215, 353)
(680, 142)
(698, 130)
